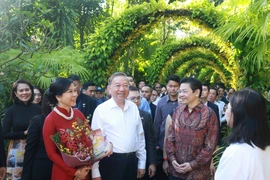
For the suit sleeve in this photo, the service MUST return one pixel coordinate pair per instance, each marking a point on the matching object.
(141, 152)
(219, 126)
(157, 123)
(150, 140)
(33, 137)
(51, 149)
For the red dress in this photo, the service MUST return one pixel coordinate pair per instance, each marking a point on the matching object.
(52, 124)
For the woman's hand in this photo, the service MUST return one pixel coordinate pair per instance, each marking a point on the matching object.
(82, 172)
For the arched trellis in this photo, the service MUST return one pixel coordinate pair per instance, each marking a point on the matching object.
(187, 57)
(183, 56)
(165, 55)
(119, 33)
(207, 74)
(196, 63)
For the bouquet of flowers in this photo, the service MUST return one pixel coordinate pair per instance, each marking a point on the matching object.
(80, 145)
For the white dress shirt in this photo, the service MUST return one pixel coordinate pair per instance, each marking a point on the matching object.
(242, 162)
(123, 128)
(221, 105)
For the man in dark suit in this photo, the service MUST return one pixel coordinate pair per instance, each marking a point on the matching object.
(150, 143)
(84, 103)
(3, 169)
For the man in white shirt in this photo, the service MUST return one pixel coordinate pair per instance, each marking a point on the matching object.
(120, 121)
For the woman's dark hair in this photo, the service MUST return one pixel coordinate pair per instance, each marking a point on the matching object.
(14, 89)
(46, 106)
(57, 88)
(249, 119)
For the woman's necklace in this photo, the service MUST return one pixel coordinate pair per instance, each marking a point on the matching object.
(64, 116)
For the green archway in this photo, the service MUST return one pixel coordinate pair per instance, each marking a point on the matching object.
(196, 63)
(105, 46)
(178, 62)
(189, 49)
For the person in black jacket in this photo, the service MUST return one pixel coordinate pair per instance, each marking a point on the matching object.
(15, 125)
(150, 142)
(3, 169)
(36, 164)
(84, 103)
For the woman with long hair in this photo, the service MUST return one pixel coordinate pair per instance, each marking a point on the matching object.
(15, 125)
(248, 156)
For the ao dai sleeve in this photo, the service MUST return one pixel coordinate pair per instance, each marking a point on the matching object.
(49, 129)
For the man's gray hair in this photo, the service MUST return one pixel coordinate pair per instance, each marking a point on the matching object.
(116, 74)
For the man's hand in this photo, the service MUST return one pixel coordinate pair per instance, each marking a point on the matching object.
(140, 173)
(176, 166)
(184, 168)
(152, 170)
(212, 168)
(3, 172)
(165, 167)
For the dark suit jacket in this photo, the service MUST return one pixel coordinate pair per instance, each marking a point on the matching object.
(153, 110)
(150, 142)
(215, 108)
(223, 98)
(87, 106)
(36, 164)
(2, 149)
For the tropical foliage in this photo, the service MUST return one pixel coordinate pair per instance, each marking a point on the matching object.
(213, 40)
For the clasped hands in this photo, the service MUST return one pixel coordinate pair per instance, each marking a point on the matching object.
(181, 168)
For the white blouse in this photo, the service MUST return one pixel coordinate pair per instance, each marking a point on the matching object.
(240, 161)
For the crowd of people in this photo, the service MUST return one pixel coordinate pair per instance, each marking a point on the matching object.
(157, 132)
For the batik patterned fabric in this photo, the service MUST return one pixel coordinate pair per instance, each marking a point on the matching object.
(192, 138)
